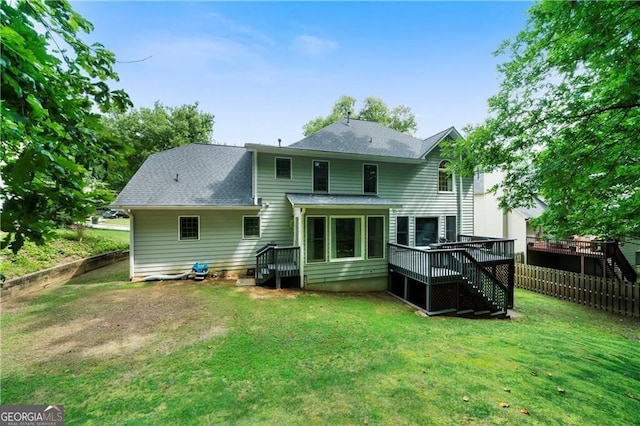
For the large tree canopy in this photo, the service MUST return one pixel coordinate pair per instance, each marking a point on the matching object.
(373, 109)
(52, 139)
(565, 123)
(145, 131)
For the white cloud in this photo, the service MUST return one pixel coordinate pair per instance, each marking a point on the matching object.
(313, 46)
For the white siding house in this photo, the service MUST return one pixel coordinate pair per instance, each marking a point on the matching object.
(491, 221)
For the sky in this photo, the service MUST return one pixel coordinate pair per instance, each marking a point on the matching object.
(264, 69)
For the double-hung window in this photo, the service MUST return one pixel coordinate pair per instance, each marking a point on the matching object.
(445, 178)
(370, 178)
(283, 168)
(316, 239)
(251, 227)
(320, 176)
(450, 229)
(375, 237)
(402, 230)
(189, 228)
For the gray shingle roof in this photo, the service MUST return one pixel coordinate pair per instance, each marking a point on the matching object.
(532, 212)
(338, 200)
(368, 138)
(207, 175)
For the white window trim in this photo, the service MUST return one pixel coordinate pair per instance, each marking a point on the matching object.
(444, 226)
(328, 177)
(377, 177)
(180, 228)
(275, 168)
(384, 245)
(326, 239)
(363, 238)
(452, 179)
(252, 237)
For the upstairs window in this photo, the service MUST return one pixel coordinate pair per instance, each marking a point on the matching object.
(445, 178)
(370, 178)
(189, 227)
(283, 168)
(320, 176)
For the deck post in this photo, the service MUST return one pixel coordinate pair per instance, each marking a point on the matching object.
(406, 285)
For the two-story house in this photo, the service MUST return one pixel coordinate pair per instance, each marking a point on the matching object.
(338, 196)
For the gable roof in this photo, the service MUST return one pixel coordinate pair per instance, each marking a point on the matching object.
(369, 138)
(195, 175)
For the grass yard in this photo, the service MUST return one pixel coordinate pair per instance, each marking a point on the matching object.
(68, 245)
(115, 352)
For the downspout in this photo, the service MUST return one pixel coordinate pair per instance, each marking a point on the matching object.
(301, 242)
(459, 199)
(131, 244)
(254, 177)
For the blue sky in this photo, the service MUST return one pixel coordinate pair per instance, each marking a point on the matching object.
(266, 68)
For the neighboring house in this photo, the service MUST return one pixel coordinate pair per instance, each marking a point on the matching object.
(490, 220)
(340, 195)
(608, 258)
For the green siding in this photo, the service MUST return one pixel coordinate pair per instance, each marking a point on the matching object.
(413, 186)
(332, 274)
(157, 250)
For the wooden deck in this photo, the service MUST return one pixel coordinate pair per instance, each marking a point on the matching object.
(445, 281)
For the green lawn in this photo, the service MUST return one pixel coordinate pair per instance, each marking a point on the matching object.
(115, 352)
(67, 246)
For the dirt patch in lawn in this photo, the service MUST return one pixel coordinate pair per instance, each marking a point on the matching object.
(156, 318)
(256, 292)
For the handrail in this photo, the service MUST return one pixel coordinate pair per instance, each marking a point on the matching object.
(486, 283)
(420, 264)
(623, 264)
(485, 250)
(277, 262)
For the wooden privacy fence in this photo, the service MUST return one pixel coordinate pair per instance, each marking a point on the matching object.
(588, 290)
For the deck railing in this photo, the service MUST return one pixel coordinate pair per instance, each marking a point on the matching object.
(484, 249)
(609, 251)
(439, 266)
(423, 265)
(593, 248)
(275, 262)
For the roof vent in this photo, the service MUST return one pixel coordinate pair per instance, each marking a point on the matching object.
(279, 142)
(348, 115)
(176, 179)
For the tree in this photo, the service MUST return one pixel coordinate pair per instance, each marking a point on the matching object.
(145, 131)
(52, 139)
(565, 123)
(374, 109)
